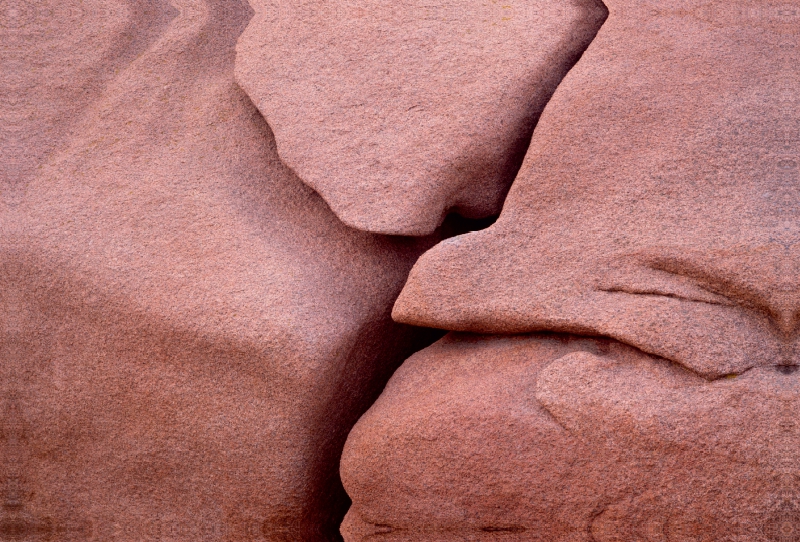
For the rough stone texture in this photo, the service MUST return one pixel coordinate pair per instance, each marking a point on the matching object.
(658, 202)
(187, 332)
(56, 57)
(396, 112)
(658, 206)
(566, 439)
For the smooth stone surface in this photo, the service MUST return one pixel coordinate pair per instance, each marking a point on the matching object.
(547, 437)
(659, 202)
(187, 332)
(398, 112)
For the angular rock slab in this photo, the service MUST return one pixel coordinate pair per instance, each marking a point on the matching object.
(543, 437)
(397, 112)
(659, 202)
(187, 332)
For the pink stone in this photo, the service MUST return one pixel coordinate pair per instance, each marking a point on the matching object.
(656, 210)
(187, 332)
(658, 202)
(398, 112)
(57, 56)
(572, 440)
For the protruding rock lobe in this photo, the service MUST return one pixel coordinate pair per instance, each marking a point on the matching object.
(397, 112)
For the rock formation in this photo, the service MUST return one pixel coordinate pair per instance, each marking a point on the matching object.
(547, 437)
(194, 312)
(657, 209)
(188, 332)
(671, 224)
(398, 112)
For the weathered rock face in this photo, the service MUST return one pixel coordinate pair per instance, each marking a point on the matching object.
(547, 437)
(658, 206)
(56, 57)
(396, 112)
(658, 203)
(188, 332)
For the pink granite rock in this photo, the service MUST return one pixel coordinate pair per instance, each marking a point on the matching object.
(397, 112)
(547, 437)
(187, 331)
(659, 202)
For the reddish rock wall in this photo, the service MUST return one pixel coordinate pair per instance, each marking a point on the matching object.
(657, 209)
(548, 437)
(188, 332)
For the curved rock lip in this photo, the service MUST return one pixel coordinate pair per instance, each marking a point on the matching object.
(679, 304)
